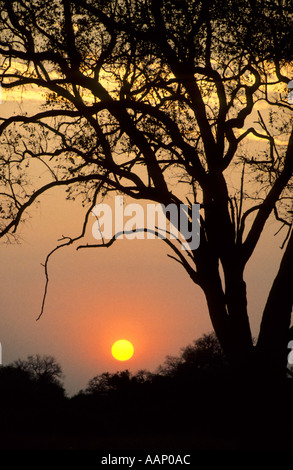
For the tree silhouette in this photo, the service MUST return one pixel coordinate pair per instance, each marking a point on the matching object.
(45, 373)
(202, 358)
(188, 397)
(16, 387)
(43, 369)
(144, 93)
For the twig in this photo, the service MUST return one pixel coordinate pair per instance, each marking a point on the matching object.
(182, 259)
(69, 241)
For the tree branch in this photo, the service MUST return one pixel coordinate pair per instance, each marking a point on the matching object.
(268, 205)
(192, 273)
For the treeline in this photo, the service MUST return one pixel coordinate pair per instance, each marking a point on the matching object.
(195, 399)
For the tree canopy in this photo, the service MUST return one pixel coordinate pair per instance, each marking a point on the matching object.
(168, 101)
(44, 369)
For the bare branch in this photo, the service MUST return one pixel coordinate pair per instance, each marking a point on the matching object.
(67, 241)
(192, 273)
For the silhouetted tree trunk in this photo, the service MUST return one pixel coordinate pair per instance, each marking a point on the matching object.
(274, 331)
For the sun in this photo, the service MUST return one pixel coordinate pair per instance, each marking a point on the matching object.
(122, 350)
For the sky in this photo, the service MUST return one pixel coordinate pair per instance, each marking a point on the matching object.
(131, 290)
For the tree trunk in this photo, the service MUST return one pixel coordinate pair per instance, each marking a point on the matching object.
(236, 299)
(228, 313)
(274, 331)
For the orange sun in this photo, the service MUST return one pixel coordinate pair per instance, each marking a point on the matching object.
(122, 350)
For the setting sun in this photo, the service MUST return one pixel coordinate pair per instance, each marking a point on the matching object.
(122, 350)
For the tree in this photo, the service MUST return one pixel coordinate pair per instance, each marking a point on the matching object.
(42, 369)
(16, 388)
(204, 354)
(141, 92)
(100, 384)
(106, 383)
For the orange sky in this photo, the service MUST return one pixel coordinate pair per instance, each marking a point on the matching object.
(131, 290)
